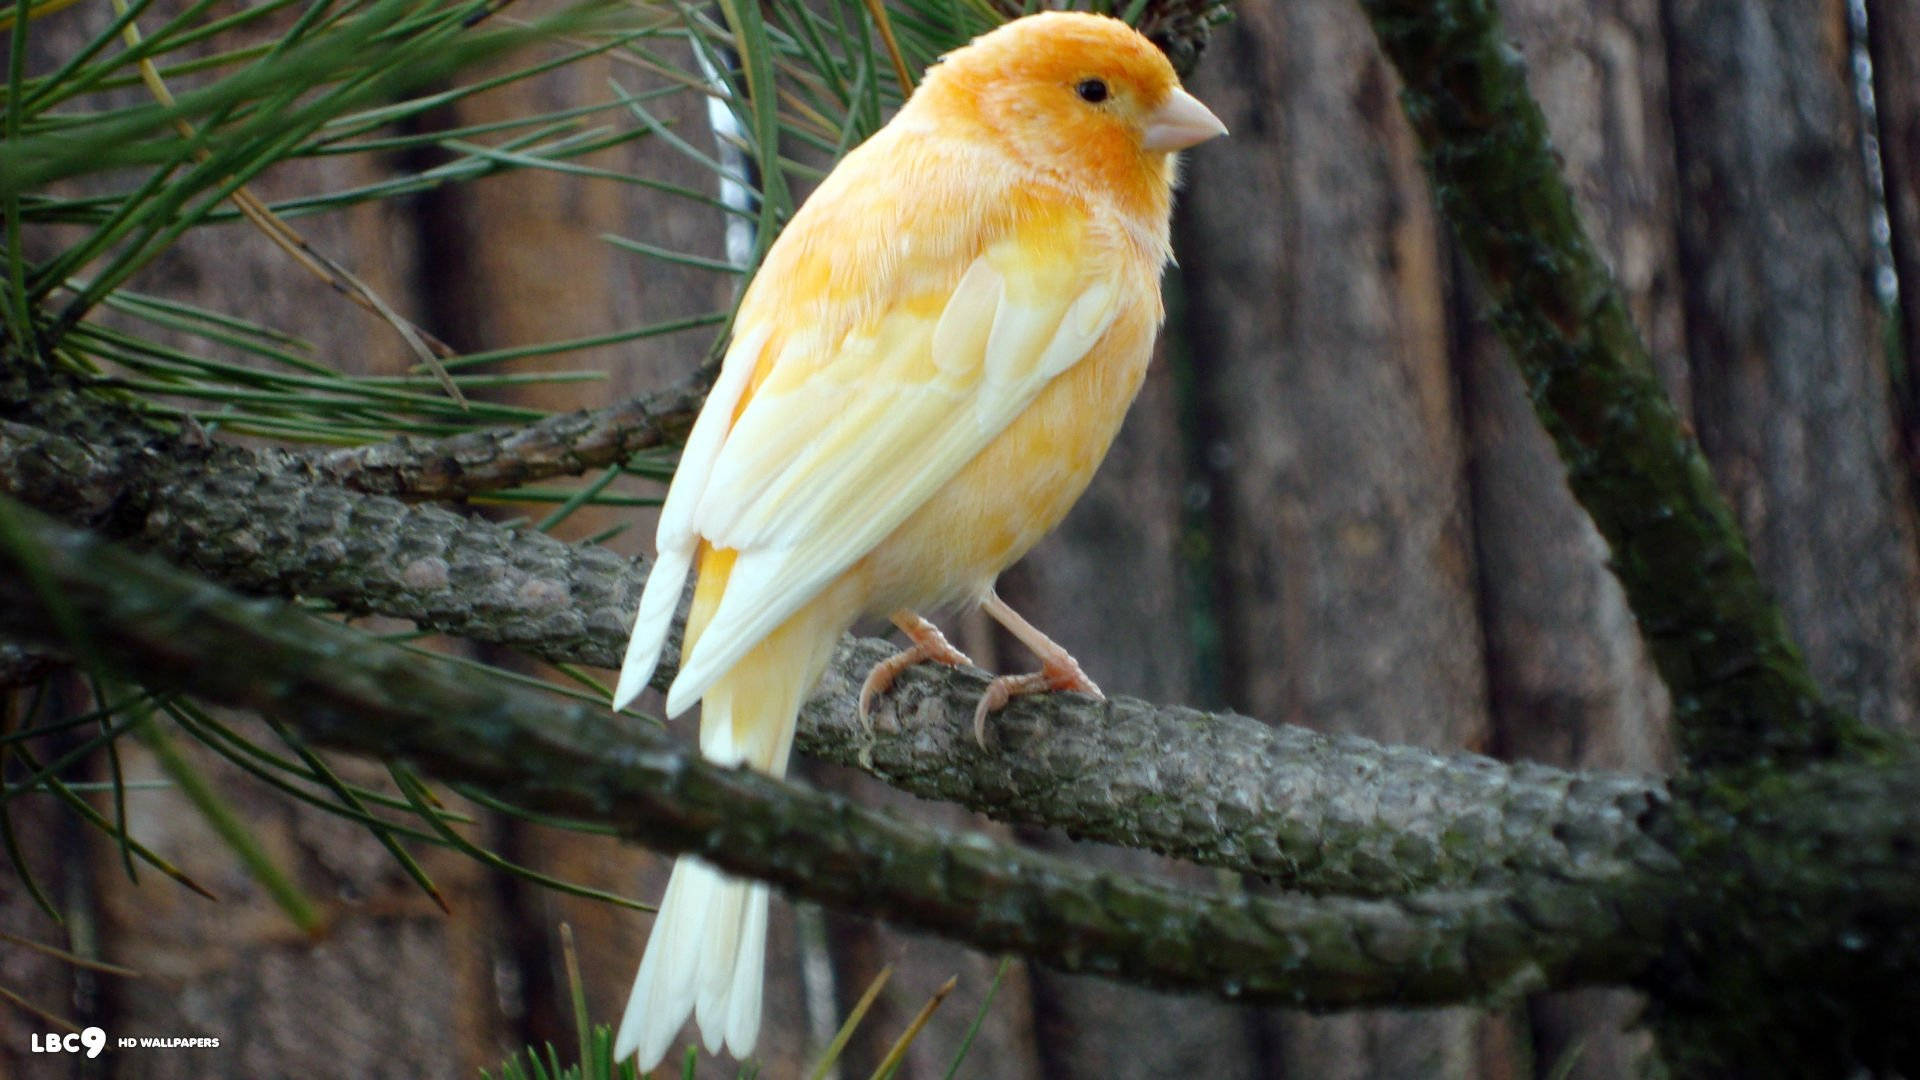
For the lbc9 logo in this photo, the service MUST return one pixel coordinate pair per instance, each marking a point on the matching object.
(93, 1040)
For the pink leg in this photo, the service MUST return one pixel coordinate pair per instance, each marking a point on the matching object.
(929, 646)
(1058, 669)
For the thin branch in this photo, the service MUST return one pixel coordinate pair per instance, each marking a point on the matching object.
(493, 458)
(1182, 28)
(349, 691)
(259, 522)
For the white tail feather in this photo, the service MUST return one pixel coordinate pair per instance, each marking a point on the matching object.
(675, 539)
(709, 944)
(749, 971)
(661, 997)
(717, 962)
(707, 954)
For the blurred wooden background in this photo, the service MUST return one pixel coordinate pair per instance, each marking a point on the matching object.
(1331, 506)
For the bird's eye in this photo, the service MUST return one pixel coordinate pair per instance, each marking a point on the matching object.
(1092, 91)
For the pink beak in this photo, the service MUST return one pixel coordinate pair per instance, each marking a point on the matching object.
(1180, 121)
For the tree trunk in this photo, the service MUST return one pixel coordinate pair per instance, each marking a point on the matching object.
(1568, 676)
(1790, 387)
(1318, 334)
(1893, 26)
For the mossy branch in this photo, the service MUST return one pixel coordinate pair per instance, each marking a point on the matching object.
(1812, 875)
(1741, 689)
(1306, 810)
(349, 691)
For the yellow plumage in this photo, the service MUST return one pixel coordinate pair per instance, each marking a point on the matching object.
(925, 373)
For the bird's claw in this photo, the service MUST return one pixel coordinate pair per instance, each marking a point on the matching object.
(880, 680)
(1060, 672)
(929, 646)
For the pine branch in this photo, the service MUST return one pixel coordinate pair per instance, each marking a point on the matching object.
(346, 690)
(260, 522)
(1810, 875)
(1311, 812)
(500, 457)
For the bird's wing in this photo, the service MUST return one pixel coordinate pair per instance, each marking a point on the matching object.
(832, 451)
(675, 541)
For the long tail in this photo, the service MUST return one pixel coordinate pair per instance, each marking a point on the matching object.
(707, 956)
(707, 953)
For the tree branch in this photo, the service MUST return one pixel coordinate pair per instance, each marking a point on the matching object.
(346, 690)
(1741, 689)
(1311, 812)
(493, 458)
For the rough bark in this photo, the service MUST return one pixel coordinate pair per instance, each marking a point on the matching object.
(1892, 28)
(1345, 569)
(1785, 338)
(1569, 680)
(1806, 874)
(344, 690)
(1307, 811)
(567, 444)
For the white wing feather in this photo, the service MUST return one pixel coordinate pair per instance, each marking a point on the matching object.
(675, 540)
(811, 478)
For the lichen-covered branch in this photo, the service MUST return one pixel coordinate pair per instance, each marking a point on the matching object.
(1306, 810)
(343, 689)
(1741, 689)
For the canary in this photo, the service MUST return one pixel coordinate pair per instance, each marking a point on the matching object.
(923, 376)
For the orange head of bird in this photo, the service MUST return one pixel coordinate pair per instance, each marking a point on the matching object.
(1083, 97)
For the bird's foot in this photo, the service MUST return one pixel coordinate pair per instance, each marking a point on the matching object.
(929, 646)
(1058, 671)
